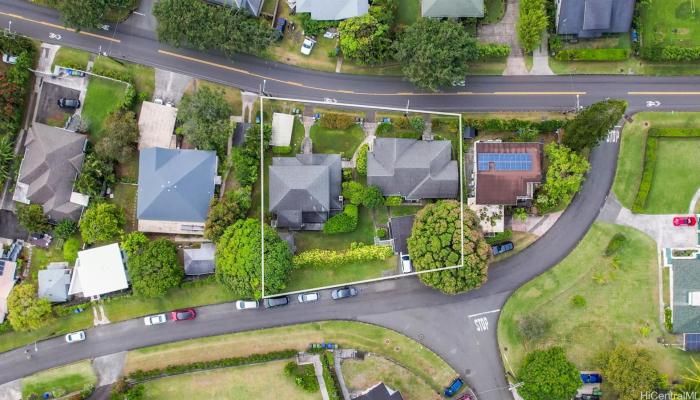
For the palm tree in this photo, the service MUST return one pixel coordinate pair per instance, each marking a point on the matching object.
(6, 156)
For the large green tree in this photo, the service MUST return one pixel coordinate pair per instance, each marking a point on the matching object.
(120, 134)
(88, 13)
(102, 222)
(204, 119)
(548, 374)
(223, 213)
(365, 39)
(435, 242)
(565, 174)
(593, 124)
(95, 174)
(630, 371)
(32, 218)
(25, 310)
(239, 259)
(532, 22)
(435, 53)
(154, 268)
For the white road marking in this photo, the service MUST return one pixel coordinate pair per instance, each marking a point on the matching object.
(138, 13)
(653, 103)
(482, 324)
(483, 313)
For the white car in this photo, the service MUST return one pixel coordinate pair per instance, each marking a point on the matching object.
(246, 304)
(406, 264)
(75, 337)
(308, 297)
(155, 319)
(8, 59)
(307, 46)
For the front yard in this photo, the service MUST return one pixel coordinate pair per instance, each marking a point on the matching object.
(313, 277)
(307, 240)
(103, 96)
(66, 379)
(337, 141)
(362, 374)
(143, 77)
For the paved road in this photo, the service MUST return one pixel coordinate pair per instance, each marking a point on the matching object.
(459, 328)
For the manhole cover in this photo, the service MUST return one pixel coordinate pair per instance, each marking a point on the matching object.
(421, 337)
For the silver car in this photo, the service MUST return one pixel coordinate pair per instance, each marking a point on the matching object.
(308, 297)
(75, 337)
(246, 304)
(155, 319)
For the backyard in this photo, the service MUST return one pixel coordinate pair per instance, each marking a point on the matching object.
(671, 22)
(103, 96)
(67, 379)
(307, 240)
(361, 374)
(620, 299)
(337, 141)
(125, 197)
(675, 180)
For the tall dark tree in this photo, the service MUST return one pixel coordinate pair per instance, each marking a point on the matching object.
(365, 39)
(120, 134)
(225, 212)
(87, 13)
(593, 124)
(154, 268)
(204, 119)
(95, 174)
(32, 218)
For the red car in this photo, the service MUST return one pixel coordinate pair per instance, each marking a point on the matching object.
(684, 221)
(183, 315)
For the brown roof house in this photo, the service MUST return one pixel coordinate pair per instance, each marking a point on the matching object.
(52, 161)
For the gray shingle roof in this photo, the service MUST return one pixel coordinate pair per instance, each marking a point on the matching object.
(591, 18)
(327, 10)
(54, 282)
(175, 185)
(685, 279)
(200, 261)
(380, 391)
(305, 186)
(253, 6)
(52, 161)
(414, 169)
(452, 8)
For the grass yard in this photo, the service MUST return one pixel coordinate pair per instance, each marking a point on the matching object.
(42, 257)
(418, 359)
(381, 215)
(619, 304)
(144, 77)
(487, 67)
(631, 160)
(631, 66)
(128, 171)
(238, 383)
(409, 12)
(671, 22)
(65, 56)
(103, 96)
(67, 379)
(313, 277)
(493, 10)
(675, 178)
(400, 211)
(521, 240)
(334, 141)
(360, 375)
(666, 277)
(125, 197)
(54, 327)
(306, 240)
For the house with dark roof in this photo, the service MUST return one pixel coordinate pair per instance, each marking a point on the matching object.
(54, 282)
(199, 261)
(593, 18)
(174, 190)
(252, 6)
(413, 169)
(52, 161)
(332, 10)
(305, 190)
(506, 173)
(684, 284)
(452, 8)
(380, 391)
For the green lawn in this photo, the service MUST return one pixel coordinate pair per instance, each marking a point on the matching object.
(312, 277)
(250, 382)
(631, 66)
(125, 197)
(381, 215)
(66, 379)
(631, 159)
(487, 67)
(494, 10)
(409, 12)
(337, 241)
(103, 96)
(671, 22)
(343, 141)
(362, 374)
(400, 211)
(67, 57)
(521, 240)
(297, 137)
(620, 302)
(676, 177)
(144, 77)
(42, 257)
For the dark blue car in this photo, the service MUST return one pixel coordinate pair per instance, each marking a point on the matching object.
(502, 248)
(591, 378)
(454, 387)
(280, 24)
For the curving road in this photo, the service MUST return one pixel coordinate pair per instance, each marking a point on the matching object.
(446, 324)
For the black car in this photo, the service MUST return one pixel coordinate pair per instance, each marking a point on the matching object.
(343, 293)
(68, 103)
(502, 248)
(276, 301)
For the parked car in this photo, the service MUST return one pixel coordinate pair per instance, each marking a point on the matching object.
(591, 378)
(454, 387)
(68, 103)
(272, 302)
(406, 264)
(684, 221)
(75, 337)
(307, 46)
(246, 304)
(343, 293)
(502, 248)
(308, 297)
(280, 24)
(466, 396)
(183, 315)
(9, 59)
(155, 319)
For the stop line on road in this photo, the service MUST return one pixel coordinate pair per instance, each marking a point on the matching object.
(481, 321)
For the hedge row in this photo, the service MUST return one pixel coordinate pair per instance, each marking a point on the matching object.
(593, 55)
(344, 222)
(327, 359)
(140, 375)
(337, 121)
(358, 252)
(670, 53)
(281, 149)
(110, 73)
(674, 132)
(393, 201)
(512, 125)
(647, 176)
(492, 50)
(362, 160)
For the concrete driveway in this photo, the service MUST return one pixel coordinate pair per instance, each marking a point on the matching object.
(170, 86)
(48, 111)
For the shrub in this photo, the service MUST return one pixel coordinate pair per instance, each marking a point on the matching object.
(303, 375)
(512, 125)
(281, 149)
(578, 301)
(62, 311)
(70, 250)
(381, 233)
(65, 229)
(393, 201)
(314, 27)
(492, 50)
(353, 192)
(362, 160)
(344, 222)
(347, 174)
(615, 244)
(500, 237)
(384, 128)
(670, 53)
(673, 132)
(358, 252)
(668, 319)
(593, 55)
(337, 120)
(647, 175)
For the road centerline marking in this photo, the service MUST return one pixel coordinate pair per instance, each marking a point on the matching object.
(65, 28)
(664, 93)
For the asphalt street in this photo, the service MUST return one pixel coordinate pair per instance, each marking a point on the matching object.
(461, 329)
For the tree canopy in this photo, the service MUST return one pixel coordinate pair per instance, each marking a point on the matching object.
(223, 213)
(96, 172)
(365, 39)
(593, 124)
(32, 218)
(548, 374)
(25, 310)
(630, 371)
(531, 23)
(102, 222)
(435, 53)
(153, 267)
(435, 243)
(565, 174)
(204, 119)
(88, 13)
(239, 259)
(120, 134)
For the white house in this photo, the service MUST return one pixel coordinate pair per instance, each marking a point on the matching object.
(98, 271)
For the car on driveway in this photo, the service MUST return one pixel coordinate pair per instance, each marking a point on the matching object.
(308, 297)
(343, 293)
(684, 221)
(406, 265)
(68, 103)
(155, 319)
(307, 46)
(454, 387)
(272, 302)
(502, 248)
(186, 314)
(75, 337)
(246, 304)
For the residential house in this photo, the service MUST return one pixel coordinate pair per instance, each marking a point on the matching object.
(98, 271)
(54, 282)
(52, 161)
(380, 391)
(157, 125)
(252, 6)
(282, 127)
(506, 173)
(175, 189)
(200, 261)
(684, 284)
(305, 190)
(593, 18)
(452, 8)
(413, 169)
(333, 10)
(7, 282)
